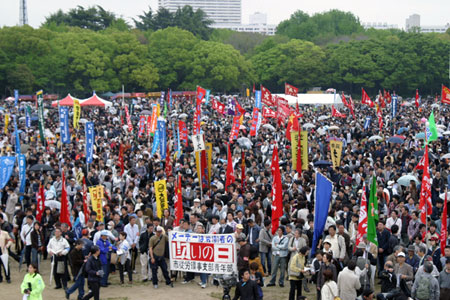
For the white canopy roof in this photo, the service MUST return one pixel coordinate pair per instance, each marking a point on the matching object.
(321, 99)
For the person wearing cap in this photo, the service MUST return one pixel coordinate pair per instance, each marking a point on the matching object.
(105, 256)
(420, 270)
(157, 247)
(412, 258)
(239, 234)
(196, 207)
(280, 244)
(444, 280)
(404, 270)
(100, 230)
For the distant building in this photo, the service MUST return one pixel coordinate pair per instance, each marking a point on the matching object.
(222, 12)
(413, 21)
(258, 24)
(258, 18)
(438, 29)
(379, 25)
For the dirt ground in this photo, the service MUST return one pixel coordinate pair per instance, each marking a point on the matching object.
(135, 291)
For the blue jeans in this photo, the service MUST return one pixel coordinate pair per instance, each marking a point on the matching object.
(204, 278)
(35, 256)
(104, 280)
(266, 256)
(278, 262)
(79, 284)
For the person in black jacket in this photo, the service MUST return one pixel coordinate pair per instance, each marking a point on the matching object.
(146, 273)
(94, 273)
(76, 259)
(383, 236)
(246, 289)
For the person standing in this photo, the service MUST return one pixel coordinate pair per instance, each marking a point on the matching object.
(76, 258)
(444, 280)
(330, 289)
(425, 286)
(348, 282)
(246, 289)
(144, 238)
(94, 272)
(25, 235)
(37, 242)
(5, 242)
(265, 244)
(33, 285)
(58, 248)
(280, 252)
(132, 231)
(124, 257)
(105, 258)
(157, 247)
(296, 272)
(11, 204)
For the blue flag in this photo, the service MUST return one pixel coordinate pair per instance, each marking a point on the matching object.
(89, 142)
(17, 136)
(258, 102)
(178, 139)
(161, 99)
(324, 188)
(170, 99)
(367, 122)
(162, 138)
(27, 117)
(16, 97)
(156, 139)
(207, 96)
(394, 105)
(22, 177)
(64, 124)
(6, 168)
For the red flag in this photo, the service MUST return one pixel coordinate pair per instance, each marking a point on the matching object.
(240, 110)
(444, 225)
(277, 192)
(254, 90)
(362, 223)
(268, 113)
(344, 101)
(380, 117)
(445, 95)
(425, 192)
(40, 196)
(255, 118)
(178, 205)
(204, 169)
(200, 94)
(121, 162)
(381, 100)
(183, 132)
(230, 172)
(168, 169)
(266, 97)
(336, 113)
(290, 90)
(217, 106)
(366, 99)
(85, 204)
(129, 124)
(352, 107)
(244, 183)
(149, 125)
(289, 128)
(64, 216)
(417, 98)
(235, 128)
(388, 97)
(141, 126)
(421, 164)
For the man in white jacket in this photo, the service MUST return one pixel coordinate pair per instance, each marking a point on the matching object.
(58, 248)
(348, 282)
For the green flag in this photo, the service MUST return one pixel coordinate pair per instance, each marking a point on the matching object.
(372, 213)
(432, 133)
(40, 101)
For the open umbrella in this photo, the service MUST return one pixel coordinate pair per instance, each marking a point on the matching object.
(268, 126)
(400, 136)
(395, 140)
(83, 121)
(48, 133)
(442, 196)
(434, 105)
(405, 180)
(242, 127)
(321, 131)
(244, 143)
(420, 136)
(321, 118)
(53, 204)
(322, 163)
(375, 138)
(145, 112)
(334, 127)
(182, 116)
(446, 156)
(41, 167)
(309, 125)
(401, 130)
(441, 126)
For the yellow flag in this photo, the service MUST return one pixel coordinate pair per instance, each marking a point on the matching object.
(76, 113)
(304, 148)
(6, 123)
(336, 152)
(161, 197)
(248, 92)
(294, 148)
(208, 147)
(198, 165)
(96, 201)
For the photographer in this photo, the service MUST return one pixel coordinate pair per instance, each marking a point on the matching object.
(33, 285)
(388, 282)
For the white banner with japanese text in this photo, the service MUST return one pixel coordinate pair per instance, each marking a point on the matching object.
(202, 253)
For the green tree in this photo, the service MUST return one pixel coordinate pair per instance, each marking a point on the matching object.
(145, 21)
(194, 21)
(21, 78)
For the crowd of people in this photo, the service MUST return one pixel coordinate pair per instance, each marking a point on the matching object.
(132, 241)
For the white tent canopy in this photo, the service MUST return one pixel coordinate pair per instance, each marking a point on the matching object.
(321, 99)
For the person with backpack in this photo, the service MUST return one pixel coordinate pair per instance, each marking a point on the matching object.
(425, 286)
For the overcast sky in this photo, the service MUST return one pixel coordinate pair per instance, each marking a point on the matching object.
(432, 12)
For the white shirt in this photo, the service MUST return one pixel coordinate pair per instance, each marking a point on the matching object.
(132, 233)
(390, 222)
(25, 234)
(57, 246)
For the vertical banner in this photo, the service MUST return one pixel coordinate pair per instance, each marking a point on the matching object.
(294, 148)
(161, 197)
(255, 118)
(154, 119)
(127, 115)
(96, 201)
(336, 153)
(28, 116)
(156, 139)
(304, 146)
(394, 105)
(76, 113)
(235, 129)
(161, 99)
(6, 168)
(324, 187)
(149, 125)
(5, 131)
(367, 122)
(204, 174)
(40, 102)
(141, 126)
(40, 199)
(258, 102)
(203, 253)
(207, 97)
(178, 139)
(64, 124)
(178, 205)
(16, 132)
(22, 174)
(209, 147)
(198, 165)
(16, 97)
(162, 138)
(89, 142)
(183, 132)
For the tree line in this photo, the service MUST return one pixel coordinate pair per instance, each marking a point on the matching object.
(92, 49)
